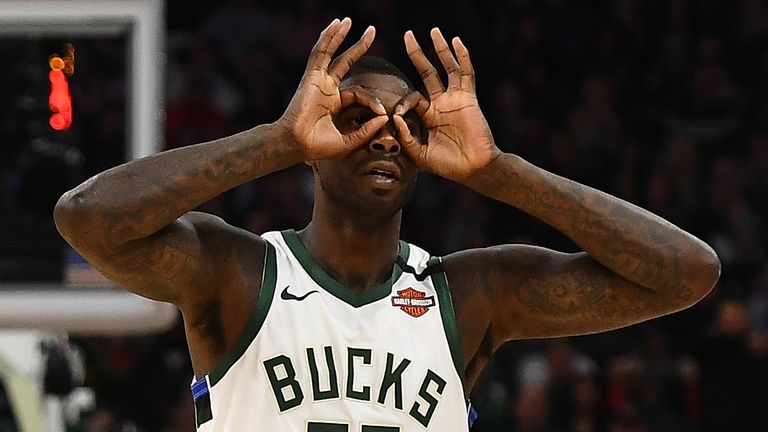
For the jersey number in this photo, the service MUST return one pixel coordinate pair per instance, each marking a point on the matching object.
(339, 427)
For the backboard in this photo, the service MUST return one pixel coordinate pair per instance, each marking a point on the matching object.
(115, 63)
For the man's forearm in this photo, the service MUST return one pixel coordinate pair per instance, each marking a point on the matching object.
(140, 197)
(630, 241)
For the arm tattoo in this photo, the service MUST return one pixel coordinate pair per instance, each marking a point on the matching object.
(138, 198)
(630, 241)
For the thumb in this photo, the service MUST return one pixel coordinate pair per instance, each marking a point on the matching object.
(366, 131)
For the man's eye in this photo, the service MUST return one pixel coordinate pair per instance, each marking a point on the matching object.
(413, 126)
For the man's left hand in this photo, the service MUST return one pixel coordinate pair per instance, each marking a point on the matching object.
(459, 141)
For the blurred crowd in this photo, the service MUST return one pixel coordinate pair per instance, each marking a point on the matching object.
(661, 103)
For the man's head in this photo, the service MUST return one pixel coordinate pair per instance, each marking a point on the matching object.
(376, 179)
(376, 65)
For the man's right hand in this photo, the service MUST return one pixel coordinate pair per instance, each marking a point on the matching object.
(308, 119)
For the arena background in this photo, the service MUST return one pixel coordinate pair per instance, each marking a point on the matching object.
(662, 103)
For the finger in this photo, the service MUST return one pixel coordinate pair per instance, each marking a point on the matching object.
(319, 57)
(365, 132)
(344, 62)
(338, 38)
(411, 146)
(403, 133)
(425, 69)
(447, 59)
(356, 94)
(413, 101)
(467, 70)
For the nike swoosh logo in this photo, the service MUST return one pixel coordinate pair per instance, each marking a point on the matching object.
(285, 295)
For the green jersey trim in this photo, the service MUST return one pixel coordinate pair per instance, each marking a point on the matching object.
(325, 281)
(449, 319)
(255, 321)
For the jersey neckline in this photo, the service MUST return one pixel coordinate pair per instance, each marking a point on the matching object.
(324, 280)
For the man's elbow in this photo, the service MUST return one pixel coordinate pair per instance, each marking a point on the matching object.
(66, 213)
(703, 273)
(74, 217)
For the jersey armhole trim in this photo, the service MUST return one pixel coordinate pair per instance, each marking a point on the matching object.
(255, 321)
(449, 320)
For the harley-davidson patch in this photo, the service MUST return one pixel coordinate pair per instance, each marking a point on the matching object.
(414, 303)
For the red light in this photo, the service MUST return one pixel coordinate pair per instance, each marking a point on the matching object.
(58, 122)
(59, 101)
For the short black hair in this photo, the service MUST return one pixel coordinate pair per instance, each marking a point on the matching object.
(373, 64)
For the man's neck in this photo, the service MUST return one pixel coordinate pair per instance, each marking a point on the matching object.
(358, 252)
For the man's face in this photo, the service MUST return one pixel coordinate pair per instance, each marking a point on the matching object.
(376, 179)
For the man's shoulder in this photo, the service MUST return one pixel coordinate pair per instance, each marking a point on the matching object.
(468, 267)
(236, 253)
(213, 229)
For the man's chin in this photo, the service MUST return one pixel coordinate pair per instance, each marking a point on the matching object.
(365, 199)
(377, 205)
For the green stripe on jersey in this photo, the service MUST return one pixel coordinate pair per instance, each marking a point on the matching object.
(256, 319)
(449, 318)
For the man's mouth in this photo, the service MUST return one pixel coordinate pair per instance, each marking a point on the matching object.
(383, 173)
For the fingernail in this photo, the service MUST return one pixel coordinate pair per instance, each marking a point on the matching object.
(399, 110)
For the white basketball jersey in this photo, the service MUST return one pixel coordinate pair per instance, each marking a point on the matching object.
(316, 356)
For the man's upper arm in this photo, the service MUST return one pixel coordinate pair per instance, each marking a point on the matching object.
(187, 260)
(534, 292)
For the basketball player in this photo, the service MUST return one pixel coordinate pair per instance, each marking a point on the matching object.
(342, 326)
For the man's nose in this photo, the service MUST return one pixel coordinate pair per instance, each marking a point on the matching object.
(385, 142)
